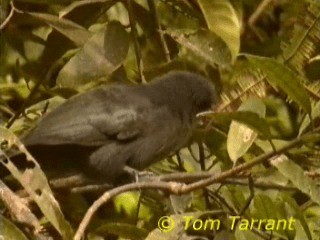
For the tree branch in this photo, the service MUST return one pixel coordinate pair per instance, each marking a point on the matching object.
(180, 188)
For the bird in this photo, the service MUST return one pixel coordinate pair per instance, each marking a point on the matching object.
(111, 127)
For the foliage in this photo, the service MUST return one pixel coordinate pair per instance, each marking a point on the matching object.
(262, 56)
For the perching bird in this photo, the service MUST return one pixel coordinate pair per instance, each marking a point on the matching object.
(110, 127)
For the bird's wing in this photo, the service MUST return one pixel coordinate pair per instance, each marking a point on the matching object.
(92, 119)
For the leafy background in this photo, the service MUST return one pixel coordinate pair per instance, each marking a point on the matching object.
(263, 57)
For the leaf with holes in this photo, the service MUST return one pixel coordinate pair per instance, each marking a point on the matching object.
(35, 183)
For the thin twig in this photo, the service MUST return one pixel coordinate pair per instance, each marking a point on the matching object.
(7, 20)
(256, 14)
(91, 188)
(180, 164)
(222, 202)
(18, 208)
(165, 186)
(164, 45)
(248, 201)
(178, 188)
(136, 40)
(260, 185)
(245, 166)
(72, 181)
(203, 168)
(26, 102)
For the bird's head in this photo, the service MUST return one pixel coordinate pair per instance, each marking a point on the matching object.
(187, 92)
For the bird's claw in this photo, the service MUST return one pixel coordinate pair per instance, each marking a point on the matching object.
(139, 176)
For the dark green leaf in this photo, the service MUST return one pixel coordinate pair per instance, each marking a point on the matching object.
(245, 235)
(102, 54)
(250, 119)
(123, 230)
(296, 175)
(264, 207)
(49, 2)
(81, 3)
(71, 30)
(284, 78)
(204, 44)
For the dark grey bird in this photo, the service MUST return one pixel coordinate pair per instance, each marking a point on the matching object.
(110, 127)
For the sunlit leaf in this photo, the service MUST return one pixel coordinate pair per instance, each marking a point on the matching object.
(223, 20)
(9, 230)
(240, 136)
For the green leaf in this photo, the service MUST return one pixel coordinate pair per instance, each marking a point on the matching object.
(264, 207)
(250, 119)
(297, 176)
(9, 230)
(315, 113)
(127, 203)
(123, 230)
(102, 54)
(224, 234)
(204, 44)
(180, 203)
(241, 137)
(49, 2)
(245, 235)
(173, 226)
(81, 3)
(279, 118)
(34, 113)
(235, 196)
(76, 33)
(223, 20)
(297, 214)
(284, 78)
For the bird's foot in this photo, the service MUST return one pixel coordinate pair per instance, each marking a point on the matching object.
(139, 176)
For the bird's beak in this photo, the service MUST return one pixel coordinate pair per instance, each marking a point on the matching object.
(205, 113)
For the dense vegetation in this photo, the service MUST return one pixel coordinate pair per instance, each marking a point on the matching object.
(256, 158)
